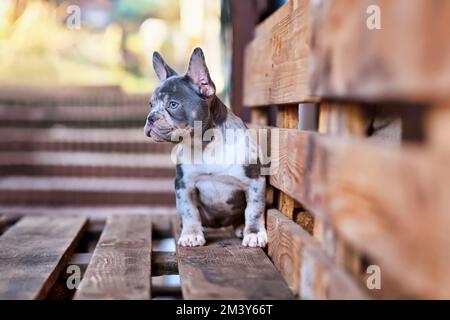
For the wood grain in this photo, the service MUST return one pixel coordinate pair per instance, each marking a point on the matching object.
(375, 197)
(33, 252)
(164, 263)
(304, 265)
(406, 60)
(120, 267)
(276, 61)
(224, 269)
(310, 50)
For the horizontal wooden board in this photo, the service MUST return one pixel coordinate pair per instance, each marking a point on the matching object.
(94, 116)
(407, 59)
(58, 191)
(33, 252)
(309, 50)
(46, 158)
(120, 267)
(85, 171)
(224, 269)
(69, 95)
(305, 266)
(388, 202)
(276, 60)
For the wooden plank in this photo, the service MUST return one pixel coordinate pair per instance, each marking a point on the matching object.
(287, 116)
(407, 59)
(62, 114)
(96, 212)
(33, 253)
(323, 49)
(304, 265)
(84, 171)
(375, 197)
(120, 267)
(286, 205)
(57, 191)
(87, 159)
(69, 96)
(276, 61)
(224, 269)
(164, 263)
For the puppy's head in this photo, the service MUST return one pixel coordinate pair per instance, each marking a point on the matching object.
(178, 101)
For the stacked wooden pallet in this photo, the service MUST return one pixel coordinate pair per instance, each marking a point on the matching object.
(350, 209)
(54, 257)
(71, 149)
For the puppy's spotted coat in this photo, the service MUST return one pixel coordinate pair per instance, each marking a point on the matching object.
(209, 193)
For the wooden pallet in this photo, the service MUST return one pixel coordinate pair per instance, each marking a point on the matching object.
(119, 259)
(361, 176)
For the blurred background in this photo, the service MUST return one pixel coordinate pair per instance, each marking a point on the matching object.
(42, 43)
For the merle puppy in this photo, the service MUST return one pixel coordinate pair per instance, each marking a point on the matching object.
(212, 194)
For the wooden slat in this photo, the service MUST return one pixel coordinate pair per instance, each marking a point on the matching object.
(304, 265)
(97, 212)
(389, 202)
(85, 171)
(33, 253)
(120, 267)
(69, 96)
(276, 61)
(224, 269)
(323, 49)
(51, 114)
(406, 60)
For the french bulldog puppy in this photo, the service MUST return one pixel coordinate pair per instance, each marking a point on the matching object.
(208, 193)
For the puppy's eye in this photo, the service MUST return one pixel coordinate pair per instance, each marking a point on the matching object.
(173, 105)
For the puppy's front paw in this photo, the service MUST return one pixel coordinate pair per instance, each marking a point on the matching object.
(191, 239)
(258, 239)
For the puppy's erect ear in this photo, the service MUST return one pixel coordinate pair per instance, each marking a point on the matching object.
(198, 72)
(162, 69)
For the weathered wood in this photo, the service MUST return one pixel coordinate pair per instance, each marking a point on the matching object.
(342, 119)
(287, 116)
(224, 269)
(57, 191)
(286, 205)
(375, 196)
(96, 212)
(120, 267)
(47, 116)
(406, 60)
(33, 252)
(276, 61)
(305, 220)
(164, 263)
(304, 265)
(310, 49)
(438, 130)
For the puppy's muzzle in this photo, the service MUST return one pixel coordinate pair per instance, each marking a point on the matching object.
(149, 125)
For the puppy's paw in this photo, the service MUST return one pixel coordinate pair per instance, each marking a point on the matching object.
(255, 239)
(191, 239)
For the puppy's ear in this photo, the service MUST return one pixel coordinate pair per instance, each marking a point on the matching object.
(162, 69)
(198, 72)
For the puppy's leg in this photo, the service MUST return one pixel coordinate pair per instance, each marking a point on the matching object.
(186, 202)
(255, 234)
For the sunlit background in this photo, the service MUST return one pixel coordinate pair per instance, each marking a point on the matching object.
(113, 46)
